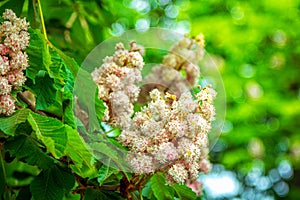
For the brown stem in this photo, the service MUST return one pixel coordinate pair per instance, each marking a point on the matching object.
(29, 104)
(110, 187)
(32, 107)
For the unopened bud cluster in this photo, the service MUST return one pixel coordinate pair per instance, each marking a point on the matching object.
(116, 80)
(14, 39)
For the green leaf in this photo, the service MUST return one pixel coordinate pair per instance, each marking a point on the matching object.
(48, 97)
(147, 192)
(20, 173)
(15, 5)
(38, 53)
(86, 91)
(183, 192)
(135, 195)
(91, 194)
(2, 175)
(9, 124)
(61, 72)
(104, 149)
(160, 190)
(51, 132)
(26, 148)
(109, 154)
(71, 196)
(99, 106)
(63, 178)
(70, 62)
(52, 184)
(104, 172)
(32, 15)
(80, 154)
(24, 193)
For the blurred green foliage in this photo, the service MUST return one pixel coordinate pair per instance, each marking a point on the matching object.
(255, 44)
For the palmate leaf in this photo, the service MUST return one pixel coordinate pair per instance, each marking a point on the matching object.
(80, 154)
(160, 190)
(51, 132)
(27, 148)
(9, 124)
(52, 184)
(51, 78)
(63, 70)
(48, 95)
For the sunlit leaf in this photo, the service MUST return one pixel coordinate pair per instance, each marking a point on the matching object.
(160, 190)
(184, 192)
(51, 132)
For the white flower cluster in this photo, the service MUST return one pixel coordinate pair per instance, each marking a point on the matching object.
(116, 80)
(14, 39)
(171, 135)
(184, 56)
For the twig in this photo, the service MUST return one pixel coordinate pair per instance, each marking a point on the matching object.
(110, 187)
(42, 20)
(29, 104)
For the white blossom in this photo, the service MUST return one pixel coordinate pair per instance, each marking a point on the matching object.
(14, 39)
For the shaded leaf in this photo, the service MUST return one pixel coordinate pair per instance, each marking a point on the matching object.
(24, 193)
(91, 194)
(15, 5)
(71, 196)
(32, 15)
(38, 54)
(48, 97)
(9, 124)
(52, 184)
(26, 148)
(2, 175)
